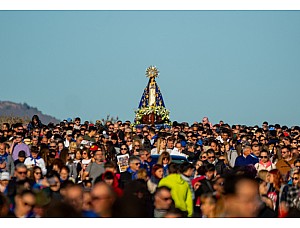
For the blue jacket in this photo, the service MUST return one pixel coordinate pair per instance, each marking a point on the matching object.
(242, 161)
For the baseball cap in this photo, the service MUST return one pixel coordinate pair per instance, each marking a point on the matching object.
(22, 154)
(4, 176)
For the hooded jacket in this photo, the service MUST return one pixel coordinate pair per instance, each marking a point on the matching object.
(180, 191)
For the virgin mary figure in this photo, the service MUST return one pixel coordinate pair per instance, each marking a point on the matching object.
(152, 95)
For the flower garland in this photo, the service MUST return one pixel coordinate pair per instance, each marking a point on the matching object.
(157, 110)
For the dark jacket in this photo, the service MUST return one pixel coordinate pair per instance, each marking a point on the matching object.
(243, 161)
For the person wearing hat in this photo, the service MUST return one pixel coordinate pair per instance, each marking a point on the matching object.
(6, 161)
(21, 157)
(68, 138)
(4, 178)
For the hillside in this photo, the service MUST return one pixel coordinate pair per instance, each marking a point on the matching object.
(12, 109)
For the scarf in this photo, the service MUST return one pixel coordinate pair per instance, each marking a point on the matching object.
(266, 165)
(35, 159)
(154, 179)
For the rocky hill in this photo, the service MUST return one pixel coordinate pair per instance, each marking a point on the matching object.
(11, 109)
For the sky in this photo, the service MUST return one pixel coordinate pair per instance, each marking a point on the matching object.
(239, 66)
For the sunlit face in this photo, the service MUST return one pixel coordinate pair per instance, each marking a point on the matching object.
(18, 138)
(210, 174)
(264, 157)
(271, 178)
(135, 165)
(170, 144)
(247, 194)
(2, 149)
(295, 179)
(178, 146)
(25, 203)
(34, 154)
(214, 146)
(285, 153)
(34, 141)
(207, 206)
(21, 173)
(256, 150)
(165, 160)
(44, 140)
(247, 151)
(159, 173)
(60, 146)
(263, 188)
(163, 143)
(78, 155)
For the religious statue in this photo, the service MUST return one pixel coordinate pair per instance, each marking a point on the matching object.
(151, 108)
(152, 96)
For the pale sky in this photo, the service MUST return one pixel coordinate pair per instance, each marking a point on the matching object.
(239, 66)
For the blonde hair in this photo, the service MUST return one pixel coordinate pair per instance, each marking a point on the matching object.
(158, 144)
(142, 174)
(262, 174)
(72, 145)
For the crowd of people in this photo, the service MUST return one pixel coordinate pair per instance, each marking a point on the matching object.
(79, 169)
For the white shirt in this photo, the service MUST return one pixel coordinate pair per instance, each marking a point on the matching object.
(30, 162)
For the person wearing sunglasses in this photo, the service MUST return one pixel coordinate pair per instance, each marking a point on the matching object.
(20, 180)
(24, 203)
(264, 162)
(294, 190)
(130, 174)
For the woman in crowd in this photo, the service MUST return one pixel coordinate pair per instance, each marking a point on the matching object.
(264, 162)
(157, 173)
(161, 146)
(165, 160)
(276, 182)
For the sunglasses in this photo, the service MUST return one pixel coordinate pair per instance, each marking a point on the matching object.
(166, 198)
(295, 178)
(123, 148)
(203, 157)
(137, 163)
(38, 173)
(211, 157)
(22, 173)
(263, 156)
